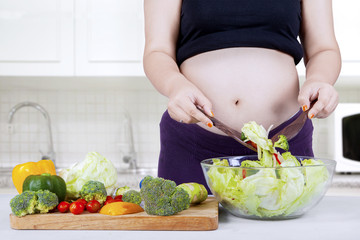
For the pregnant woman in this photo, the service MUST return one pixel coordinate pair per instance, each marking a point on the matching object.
(237, 60)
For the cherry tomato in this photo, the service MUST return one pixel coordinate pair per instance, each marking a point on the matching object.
(63, 206)
(93, 206)
(77, 207)
(118, 197)
(112, 200)
(82, 201)
(109, 201)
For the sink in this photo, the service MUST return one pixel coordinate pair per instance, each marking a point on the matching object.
(5, 178)
(132, 177)
(139, 171)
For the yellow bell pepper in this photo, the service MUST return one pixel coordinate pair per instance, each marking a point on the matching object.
(120, 208)
(21, 171)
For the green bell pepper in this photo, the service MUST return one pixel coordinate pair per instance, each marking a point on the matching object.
(46, 181)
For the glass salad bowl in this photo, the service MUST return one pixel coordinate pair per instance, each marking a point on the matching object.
(268, 192)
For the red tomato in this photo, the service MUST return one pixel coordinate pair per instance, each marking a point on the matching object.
(77, 207)
(109, 201)
(118, 197)
(82, 201)
(63, 206)
(93, 206)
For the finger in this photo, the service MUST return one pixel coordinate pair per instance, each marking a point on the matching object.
(329, 108)
(180, 116)
(205, 104)
(304, 99)
(195, 113)
(323, 100)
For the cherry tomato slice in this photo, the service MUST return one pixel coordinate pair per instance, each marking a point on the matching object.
(63, 206)
(77, 207)
(93, 206)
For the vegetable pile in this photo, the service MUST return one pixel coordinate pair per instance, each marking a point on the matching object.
(85, 187)
(276, 185)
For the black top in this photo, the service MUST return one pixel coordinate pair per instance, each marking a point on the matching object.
(207, 25)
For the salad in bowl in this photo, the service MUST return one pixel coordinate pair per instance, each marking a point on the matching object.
(269, 185)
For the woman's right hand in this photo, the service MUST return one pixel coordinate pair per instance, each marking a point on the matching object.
(183, 102)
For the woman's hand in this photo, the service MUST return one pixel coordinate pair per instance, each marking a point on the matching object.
(323, 96)
(183, 102)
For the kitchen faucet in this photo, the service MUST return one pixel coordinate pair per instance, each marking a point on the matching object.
(50, 154)
(130, 157)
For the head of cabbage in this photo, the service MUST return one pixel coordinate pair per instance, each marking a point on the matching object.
(95, 167)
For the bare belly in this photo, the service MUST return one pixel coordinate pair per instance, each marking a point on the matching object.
(246, 84)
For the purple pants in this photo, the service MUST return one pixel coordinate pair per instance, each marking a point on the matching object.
(184, 146)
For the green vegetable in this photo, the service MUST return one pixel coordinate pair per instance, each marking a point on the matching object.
(30, 202)
(132, 196)
(282, 143)
(46, 181)
(196, 191)
(257, 134)
(271, 189)
(94, 167)
(46, 201)
(162, 197)
(122, 190)
(94, 190)
(23, 204)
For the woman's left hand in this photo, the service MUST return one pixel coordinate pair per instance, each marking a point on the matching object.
(322, 95)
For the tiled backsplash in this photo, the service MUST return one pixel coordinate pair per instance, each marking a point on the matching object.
(91, 119)
(82, 120)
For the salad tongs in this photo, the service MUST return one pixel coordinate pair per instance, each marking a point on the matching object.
(289, 131)
(293, 128)
(228, 130)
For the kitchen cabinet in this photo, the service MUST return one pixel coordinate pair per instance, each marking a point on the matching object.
(71, 37)
(106, 37)
(36, 37)
(109, 37)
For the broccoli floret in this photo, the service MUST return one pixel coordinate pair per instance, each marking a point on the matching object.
(23, 204)
(46, 201)
(30, 202)
(282, 143)
(162, 197)
(93, 190)
(132, 196)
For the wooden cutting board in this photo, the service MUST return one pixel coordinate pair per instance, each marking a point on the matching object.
(200, 217)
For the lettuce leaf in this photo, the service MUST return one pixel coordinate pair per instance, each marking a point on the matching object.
(94, 167)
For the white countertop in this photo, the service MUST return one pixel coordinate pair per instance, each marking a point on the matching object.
(335, 217)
